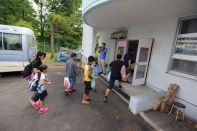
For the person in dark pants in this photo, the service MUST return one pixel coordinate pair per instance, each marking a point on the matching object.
(87, 79)
(116, 67)
(34, 65)
(127, 57)
(71, 72)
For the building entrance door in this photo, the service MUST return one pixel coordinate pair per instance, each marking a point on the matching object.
(142, 61)
(121, 47)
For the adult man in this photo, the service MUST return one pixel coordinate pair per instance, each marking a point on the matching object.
(128, 57)
(128, 62)
(117, 69)
(71, 72)
(102, 56)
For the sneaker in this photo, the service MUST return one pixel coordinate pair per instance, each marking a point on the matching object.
(35, 105)
(105, 100)
(85, 102)
(66, 92)
(88, 99)
(43, 110)
(72, 90)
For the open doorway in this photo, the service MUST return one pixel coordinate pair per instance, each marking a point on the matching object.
(132, 47)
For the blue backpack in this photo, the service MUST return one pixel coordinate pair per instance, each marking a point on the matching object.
(34, 83)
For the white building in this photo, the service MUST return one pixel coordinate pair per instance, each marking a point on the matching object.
(163, 34)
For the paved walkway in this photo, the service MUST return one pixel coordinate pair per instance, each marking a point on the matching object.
(66, 113)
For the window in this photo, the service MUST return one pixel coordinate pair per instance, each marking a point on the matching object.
(12, 42)
(184, 58)
(0, 41)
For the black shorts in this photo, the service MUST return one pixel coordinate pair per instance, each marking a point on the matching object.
(35, 97)
(87, 87)
(112, 81)
(40, 96)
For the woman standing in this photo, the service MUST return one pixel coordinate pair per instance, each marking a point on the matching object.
(34, 66)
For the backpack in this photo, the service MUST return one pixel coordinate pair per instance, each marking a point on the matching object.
(27, 71)
(34, 83)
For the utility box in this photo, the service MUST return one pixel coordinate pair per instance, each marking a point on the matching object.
(144, 102)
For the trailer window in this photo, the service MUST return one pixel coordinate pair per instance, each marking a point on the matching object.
(12, 42)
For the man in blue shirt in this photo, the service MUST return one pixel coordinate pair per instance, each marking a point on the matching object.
(102, 56)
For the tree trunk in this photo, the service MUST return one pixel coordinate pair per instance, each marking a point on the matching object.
(52, 41)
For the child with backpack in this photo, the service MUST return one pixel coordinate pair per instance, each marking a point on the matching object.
(41, 92)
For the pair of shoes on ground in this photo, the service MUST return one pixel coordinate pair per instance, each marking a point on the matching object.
(43, 110)
(86, 101)
(69, 91)
(40, 110)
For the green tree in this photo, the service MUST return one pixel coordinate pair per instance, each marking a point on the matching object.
(65, 23)
(12, 11)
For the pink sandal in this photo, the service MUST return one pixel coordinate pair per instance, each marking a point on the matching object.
(43, 110)
(35, 105)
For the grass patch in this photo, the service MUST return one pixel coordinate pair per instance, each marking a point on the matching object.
(52, 61)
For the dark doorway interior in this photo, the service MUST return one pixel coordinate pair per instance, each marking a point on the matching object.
(133, 44)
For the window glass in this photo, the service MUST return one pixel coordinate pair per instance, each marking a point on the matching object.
(12, 42)
(0, 41)
(188, 26)
(143, 54)
(141, 70)
(121, 50)
(183, 66)
(185, 53)
(186, 47)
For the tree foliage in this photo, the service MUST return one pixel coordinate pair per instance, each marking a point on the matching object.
(11, 11)
(63, 17)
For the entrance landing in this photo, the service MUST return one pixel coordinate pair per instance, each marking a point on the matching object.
(133, 90)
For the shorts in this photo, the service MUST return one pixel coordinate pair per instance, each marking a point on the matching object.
(112, 81)
(42, 95)
(39, 96)
(35, 97)
(88, 87)
(72, 81)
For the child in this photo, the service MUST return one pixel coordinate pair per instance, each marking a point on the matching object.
(71, 73)
(117, 67)
(87, 79)
(41, 90)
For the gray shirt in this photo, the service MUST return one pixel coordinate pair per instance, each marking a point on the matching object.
(71, 68)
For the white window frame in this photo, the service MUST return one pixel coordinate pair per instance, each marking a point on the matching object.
(182, 56)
